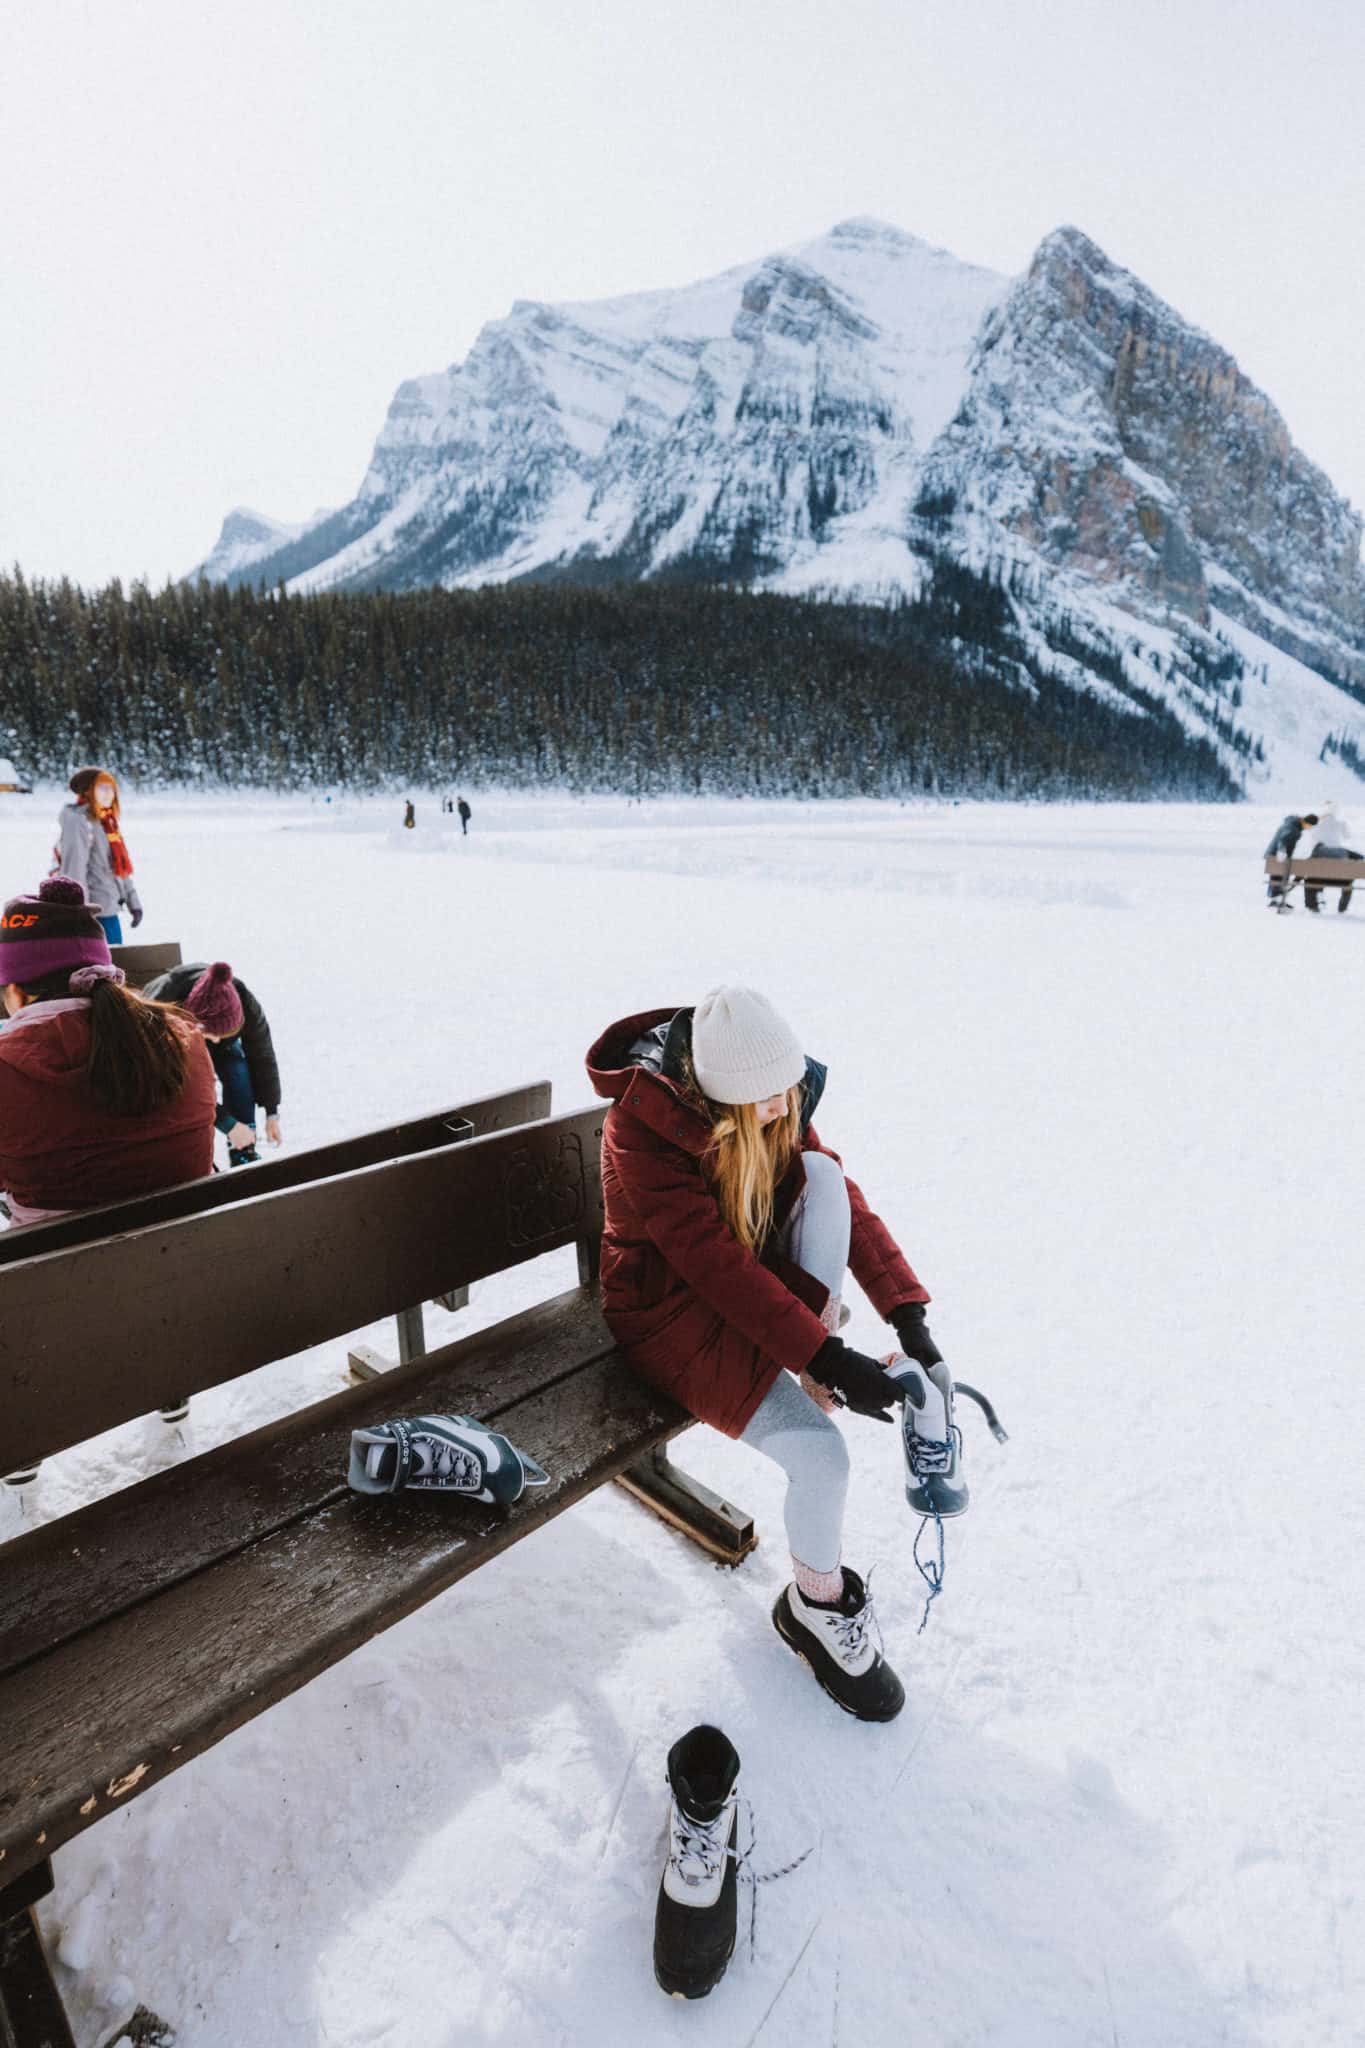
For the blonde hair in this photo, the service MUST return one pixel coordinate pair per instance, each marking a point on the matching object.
(746, 1161)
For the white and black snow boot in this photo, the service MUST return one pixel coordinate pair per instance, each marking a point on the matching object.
(694, 1921)
(839, 1642)
(930, 1439)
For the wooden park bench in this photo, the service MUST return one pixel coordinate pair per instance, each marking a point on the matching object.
(1327, 874)
(140, 1630)
(142, 964)
(292, 1170)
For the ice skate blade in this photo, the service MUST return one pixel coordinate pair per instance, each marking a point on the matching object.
(894, 1703)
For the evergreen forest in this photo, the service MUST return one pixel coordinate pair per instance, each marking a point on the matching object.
(641, 688)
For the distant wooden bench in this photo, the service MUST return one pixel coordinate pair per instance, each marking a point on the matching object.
(138, 1631)
(1330, 874)
(142, 964)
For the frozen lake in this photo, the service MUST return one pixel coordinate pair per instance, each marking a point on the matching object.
(1112, 1109)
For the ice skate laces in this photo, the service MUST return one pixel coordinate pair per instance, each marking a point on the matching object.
(929, 1454)
(928, 1457)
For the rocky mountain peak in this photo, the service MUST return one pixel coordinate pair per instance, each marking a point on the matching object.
(848, 416)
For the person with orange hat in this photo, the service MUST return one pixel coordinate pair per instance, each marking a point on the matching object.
(93, 850)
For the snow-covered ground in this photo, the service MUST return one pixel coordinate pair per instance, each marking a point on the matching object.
(1112, 1108)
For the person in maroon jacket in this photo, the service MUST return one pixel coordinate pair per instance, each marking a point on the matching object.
(729, 1227)
(103, 1095)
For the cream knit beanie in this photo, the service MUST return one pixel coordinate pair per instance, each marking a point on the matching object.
(742, 1051)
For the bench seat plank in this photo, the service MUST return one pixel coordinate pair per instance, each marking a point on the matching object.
(127, 1701)
(1321, 870)
(103, 1559)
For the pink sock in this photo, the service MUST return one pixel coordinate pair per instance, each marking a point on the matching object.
(814, 1585)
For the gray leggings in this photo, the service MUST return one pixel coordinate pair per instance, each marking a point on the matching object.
(787, 1426)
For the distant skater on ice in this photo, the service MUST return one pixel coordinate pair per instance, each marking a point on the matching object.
(729, 1229)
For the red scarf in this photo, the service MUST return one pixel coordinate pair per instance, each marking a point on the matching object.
(119, 859)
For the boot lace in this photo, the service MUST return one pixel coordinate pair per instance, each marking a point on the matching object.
(852, 1632)
(704, 1842)
(698, 1848)
(746, 1874)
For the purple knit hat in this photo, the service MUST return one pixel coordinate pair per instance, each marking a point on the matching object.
(214, 1003)
(57, 928)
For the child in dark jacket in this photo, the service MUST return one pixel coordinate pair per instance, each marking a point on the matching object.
(729, 1227)
(240, 1046)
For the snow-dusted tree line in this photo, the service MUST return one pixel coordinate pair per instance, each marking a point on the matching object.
(639, 688)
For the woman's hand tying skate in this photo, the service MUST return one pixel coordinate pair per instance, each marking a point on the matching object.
(863, 1385)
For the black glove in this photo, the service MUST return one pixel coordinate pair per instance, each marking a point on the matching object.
(859, 1381)
(136, 915)
(910, 1327)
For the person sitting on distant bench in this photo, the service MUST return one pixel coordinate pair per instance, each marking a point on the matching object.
(104, 1094)
(240, 1046)
(1330, 844)
(1281, 847)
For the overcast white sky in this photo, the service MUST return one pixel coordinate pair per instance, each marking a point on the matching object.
(228, 232)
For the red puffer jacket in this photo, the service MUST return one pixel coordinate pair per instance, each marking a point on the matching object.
(703, 1319)
(60, 1149)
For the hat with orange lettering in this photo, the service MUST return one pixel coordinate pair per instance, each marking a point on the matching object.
(57, 928)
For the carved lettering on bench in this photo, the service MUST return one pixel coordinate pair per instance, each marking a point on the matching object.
(545, 1195)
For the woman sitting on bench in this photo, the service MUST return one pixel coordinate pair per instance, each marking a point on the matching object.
(103, 1095)
(728, 1231)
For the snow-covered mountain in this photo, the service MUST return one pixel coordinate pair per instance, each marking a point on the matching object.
(845, 417)
(247, 537)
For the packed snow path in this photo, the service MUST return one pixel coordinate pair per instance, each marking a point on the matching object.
(1113, 1109)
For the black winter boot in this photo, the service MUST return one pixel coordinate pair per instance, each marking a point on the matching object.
(836, 1640)
(694, 1921)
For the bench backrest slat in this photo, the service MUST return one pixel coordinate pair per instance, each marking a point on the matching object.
(289, 1170)
(103, 1332)
(142, 964)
